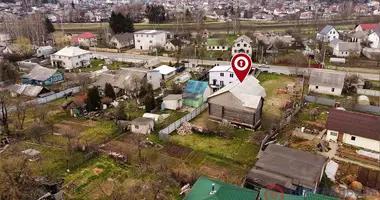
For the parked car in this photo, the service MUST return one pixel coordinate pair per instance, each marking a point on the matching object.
(180, 69)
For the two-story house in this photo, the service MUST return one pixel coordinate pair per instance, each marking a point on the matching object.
(221, 75)
(327, 34)
(86, 39)
(71, 57)
(147, 39)
(242, 45)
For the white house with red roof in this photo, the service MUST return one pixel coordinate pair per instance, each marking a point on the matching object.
(86, 39)
(365, 27)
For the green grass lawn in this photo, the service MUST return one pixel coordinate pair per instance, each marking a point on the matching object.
(90, 182)
(97, 64)
(238, 149)
(52, 161)
(103, 130)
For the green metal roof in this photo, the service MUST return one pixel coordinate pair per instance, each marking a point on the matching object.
(223, 191)
(309, 196)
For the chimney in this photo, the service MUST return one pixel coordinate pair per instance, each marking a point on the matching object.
(212, 189)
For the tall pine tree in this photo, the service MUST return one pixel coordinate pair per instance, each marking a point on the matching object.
(49, 26)
(149, 99)
(121, 24)
(93, 99)
(109, 92)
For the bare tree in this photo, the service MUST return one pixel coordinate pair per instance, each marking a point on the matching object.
(20, 111)
(40, 113)
(16, 179)
(4, 105)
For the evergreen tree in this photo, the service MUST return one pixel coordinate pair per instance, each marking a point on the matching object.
(72, 4)
(93, 99)
(155, 13)
(49, 26)
(120, 112)
(121, 24)
(188, 14)
(149, 99)
(109, 92)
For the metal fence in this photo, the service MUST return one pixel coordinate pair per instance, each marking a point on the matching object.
(375, 93)
(55, 96)
(319, 100)
(367, 109)
(164, 133)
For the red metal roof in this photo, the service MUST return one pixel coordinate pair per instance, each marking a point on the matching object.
(367, 26)
(354, 123)
(74, 39)
(86, 35)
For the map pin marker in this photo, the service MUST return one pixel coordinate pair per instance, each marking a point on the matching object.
(241, 64)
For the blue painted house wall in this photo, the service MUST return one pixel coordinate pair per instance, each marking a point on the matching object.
(56, 78)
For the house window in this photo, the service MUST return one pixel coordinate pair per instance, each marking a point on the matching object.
(316, 87)
(238, 45)
(353, 138)
(59, 57)
(150, 41)
(138, 40)
(245, 45)
(235, 51)
(136, 126)
(231, 75)
(334, 134)
(217, 47)
(221, 82)
(77, 64)
(247, 51)
(150, 77)
(223, 47)
(221, 74)
(332, 89)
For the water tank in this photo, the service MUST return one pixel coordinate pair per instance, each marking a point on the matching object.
(363, 100)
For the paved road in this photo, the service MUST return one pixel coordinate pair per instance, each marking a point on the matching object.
(270, 68)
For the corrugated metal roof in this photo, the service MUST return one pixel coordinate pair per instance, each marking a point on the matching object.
(249, 91)
(164, 69)
(71, 52)
(201, 190)
(326, 29)
(40, 73)
(354, 123)
(327, 78)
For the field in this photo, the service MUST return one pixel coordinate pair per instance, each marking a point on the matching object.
(53, 161)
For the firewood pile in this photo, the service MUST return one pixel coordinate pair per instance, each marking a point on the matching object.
(185, 129)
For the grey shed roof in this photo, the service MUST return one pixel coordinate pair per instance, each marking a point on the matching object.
(141, 121)
(40, 73)
(173, 97)
(122, 79)
(288, 166)
(334, 42)
(327, 78)
(124, 37)
(348, 46)
(325, 30)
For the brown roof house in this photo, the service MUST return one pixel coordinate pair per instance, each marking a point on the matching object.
(142, 125)
(76, 106)
(239, 103)
(353, 128)
(296, 171)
